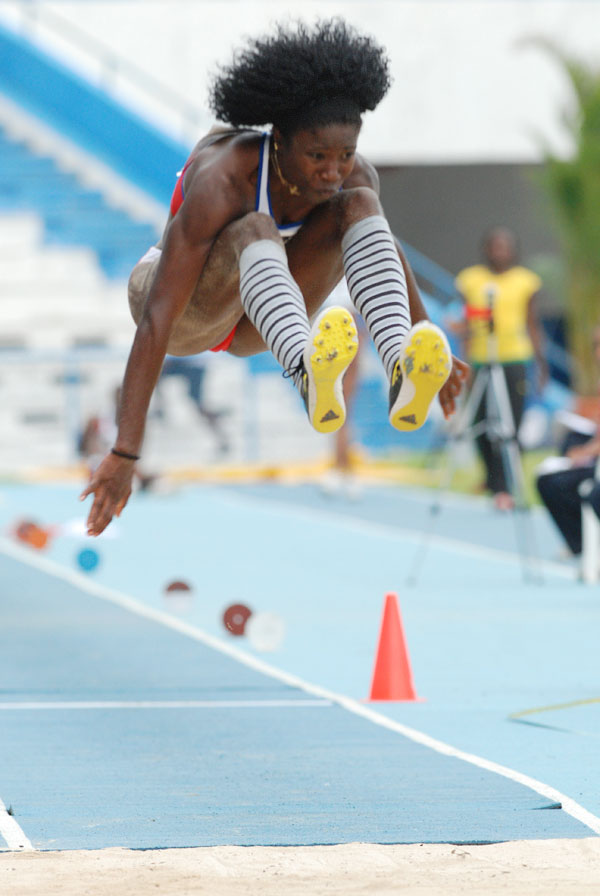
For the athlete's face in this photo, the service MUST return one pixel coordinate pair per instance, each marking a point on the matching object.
(319, 161)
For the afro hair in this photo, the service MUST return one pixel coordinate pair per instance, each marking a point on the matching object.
(301, 78)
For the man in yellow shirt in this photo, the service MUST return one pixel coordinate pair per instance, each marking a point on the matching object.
(500, 325)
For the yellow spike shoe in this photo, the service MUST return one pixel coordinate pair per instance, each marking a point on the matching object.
(423, 367)
(331, 347)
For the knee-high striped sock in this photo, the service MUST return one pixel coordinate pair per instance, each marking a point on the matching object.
(377, 285)
(273, 301)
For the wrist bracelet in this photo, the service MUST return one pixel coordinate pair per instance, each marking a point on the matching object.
(124, 454)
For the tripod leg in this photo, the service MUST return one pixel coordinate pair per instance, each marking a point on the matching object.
(507, 435)
(461, 428)
(463, 425)
(466, 415)
(513, 469)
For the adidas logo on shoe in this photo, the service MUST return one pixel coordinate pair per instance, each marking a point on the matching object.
(423, 367)
(331, 346)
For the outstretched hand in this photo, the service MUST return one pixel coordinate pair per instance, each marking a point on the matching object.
(111, 486)
(453, 386)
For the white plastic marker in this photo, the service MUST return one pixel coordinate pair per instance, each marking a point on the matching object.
(12, 833)
(265, 631)
(570, 806)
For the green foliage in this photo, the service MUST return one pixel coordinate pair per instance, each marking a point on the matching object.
(550, 267)
(573, 187)
(467, 478)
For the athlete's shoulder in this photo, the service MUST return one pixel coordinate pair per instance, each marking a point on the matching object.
(226, 147)
(224, 162)
(363, 175)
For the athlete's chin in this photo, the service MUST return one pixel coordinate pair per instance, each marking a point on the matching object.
(324, 195)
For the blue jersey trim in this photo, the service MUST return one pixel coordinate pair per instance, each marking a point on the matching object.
(260, 168)
(284, 228)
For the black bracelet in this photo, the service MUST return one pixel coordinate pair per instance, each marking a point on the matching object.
(124, 454)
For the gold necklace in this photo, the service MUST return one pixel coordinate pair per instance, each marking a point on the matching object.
(294, 190)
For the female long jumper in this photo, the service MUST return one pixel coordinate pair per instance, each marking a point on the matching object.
(262, 227)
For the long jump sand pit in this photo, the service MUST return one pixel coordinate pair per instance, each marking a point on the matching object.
(525, 868)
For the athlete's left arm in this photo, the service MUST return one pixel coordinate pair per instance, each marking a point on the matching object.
(365, 175)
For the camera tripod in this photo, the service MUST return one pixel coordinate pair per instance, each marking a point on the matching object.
(498, 424)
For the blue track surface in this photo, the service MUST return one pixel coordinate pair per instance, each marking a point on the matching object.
(233, 755)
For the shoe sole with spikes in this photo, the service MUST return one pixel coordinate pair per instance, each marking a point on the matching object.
(423, 367)
(331, 347)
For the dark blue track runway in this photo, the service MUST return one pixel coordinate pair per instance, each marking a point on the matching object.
(119, 730)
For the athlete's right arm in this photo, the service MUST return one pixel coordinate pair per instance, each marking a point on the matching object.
(211, 203)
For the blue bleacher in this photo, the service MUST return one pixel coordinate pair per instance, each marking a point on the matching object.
(72, 214)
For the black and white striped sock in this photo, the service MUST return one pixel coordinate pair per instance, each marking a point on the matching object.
(377, 285)
(273, 302)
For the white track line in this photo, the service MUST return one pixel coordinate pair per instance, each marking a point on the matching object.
(570, 806)
(12, 834)
(416, 537)
(161, 704)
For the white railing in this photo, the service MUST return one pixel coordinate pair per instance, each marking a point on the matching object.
(49, 394)
(146, 95)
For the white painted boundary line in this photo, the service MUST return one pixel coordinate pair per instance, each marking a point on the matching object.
(12, 834)
(417, 537)
(24, 555)
(162, 704)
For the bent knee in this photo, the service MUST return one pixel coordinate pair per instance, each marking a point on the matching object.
(355, 204)
(361, 196)
(252, 227)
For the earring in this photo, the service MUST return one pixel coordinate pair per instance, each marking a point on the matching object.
(293, 189)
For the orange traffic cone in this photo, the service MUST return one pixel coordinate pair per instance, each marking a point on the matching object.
(392, 676)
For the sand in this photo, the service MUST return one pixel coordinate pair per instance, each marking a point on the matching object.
(557, 867)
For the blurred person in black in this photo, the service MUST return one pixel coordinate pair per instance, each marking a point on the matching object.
(559, 479)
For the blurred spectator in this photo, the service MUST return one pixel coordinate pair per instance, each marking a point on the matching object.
(193, 369)
(500, 325)
(98, 435)
(559, 478)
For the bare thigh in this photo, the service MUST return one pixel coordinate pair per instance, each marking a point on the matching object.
(215, 308)
(140, 281)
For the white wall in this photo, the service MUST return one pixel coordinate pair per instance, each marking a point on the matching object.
(465, 88)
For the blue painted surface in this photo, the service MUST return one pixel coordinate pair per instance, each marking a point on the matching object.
(483, 645)
(72, 214)
(88, 116)
(180, 777)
